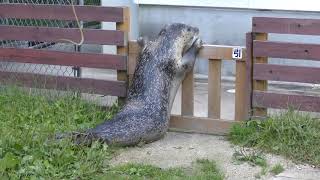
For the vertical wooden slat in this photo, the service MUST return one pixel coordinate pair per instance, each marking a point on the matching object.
(260, 85)
(123, 50)
(187, 99)
(214, 88)
(241, 110)
(134, 50)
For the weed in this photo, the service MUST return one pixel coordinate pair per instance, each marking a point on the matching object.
(277, 169)
(208, 170)
(292, 134)
(252, 156)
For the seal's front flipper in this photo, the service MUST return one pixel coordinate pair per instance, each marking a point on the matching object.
(189, 58)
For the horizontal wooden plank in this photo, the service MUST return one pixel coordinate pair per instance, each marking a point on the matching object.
(286, 25)
(286, 50)
(207, 51)
(286, 73)
(218, 52)
(89, 60)
(61, 12)
(84, 85)
(91, 36)
(200, 125)
(285, 101)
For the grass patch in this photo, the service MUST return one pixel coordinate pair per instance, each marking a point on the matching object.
(202, 169)
(277, 169)
(27, 147)
(292, 134)
(207, 170)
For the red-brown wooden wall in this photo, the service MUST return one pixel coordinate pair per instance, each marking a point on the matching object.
(260, 71)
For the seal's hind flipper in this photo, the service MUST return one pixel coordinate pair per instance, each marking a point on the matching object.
(78, 138)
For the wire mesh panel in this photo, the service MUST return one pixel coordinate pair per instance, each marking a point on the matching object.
(36, 68)
(42, 55)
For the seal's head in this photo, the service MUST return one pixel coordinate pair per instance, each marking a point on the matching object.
(179, 36)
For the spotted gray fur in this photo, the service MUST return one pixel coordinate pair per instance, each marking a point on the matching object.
(161, 67)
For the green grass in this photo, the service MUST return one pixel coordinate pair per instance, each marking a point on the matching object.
(207, 170)
(202, 169)
(277, 169)
(292, 134)
(28, 149)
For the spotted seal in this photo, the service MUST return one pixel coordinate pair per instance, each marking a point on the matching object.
(161, 67)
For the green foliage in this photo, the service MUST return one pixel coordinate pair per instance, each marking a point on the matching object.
(292, 134)
(208, 170)
(277, 169)
(140, 171)
(203, 170)
(28, 148)
(253, 157)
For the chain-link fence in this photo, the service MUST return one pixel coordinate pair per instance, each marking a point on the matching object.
(55, 70)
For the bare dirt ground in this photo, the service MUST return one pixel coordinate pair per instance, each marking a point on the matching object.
(181, 149)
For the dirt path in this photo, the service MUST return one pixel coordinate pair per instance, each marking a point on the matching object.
(181, 149)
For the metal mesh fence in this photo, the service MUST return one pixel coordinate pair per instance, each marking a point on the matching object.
(64, 47)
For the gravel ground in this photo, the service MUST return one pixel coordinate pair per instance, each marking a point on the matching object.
(181, 149)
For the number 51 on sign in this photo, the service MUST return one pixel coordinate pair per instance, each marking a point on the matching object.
(237, 53)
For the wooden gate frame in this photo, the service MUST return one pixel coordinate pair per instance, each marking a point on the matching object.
(260, 72)
(212, 124)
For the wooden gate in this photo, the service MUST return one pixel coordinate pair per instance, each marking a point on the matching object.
(260, 71)
(212, 124)
(119, 15)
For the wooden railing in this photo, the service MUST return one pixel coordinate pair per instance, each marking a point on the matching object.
(213, 123)
(119, 15)
(260, 72)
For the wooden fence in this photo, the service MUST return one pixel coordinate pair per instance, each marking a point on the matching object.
(260, 71)
(212, 124)
(252, 74)
(119, 15)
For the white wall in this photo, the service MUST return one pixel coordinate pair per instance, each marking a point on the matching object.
(295, 5)
(222, 26)
(134, 24)
(220, 21)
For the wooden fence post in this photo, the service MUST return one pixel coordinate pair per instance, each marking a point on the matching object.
(123, 50)
(260, 85)
(241, 107)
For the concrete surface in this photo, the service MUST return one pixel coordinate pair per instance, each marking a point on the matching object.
(181, 149)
